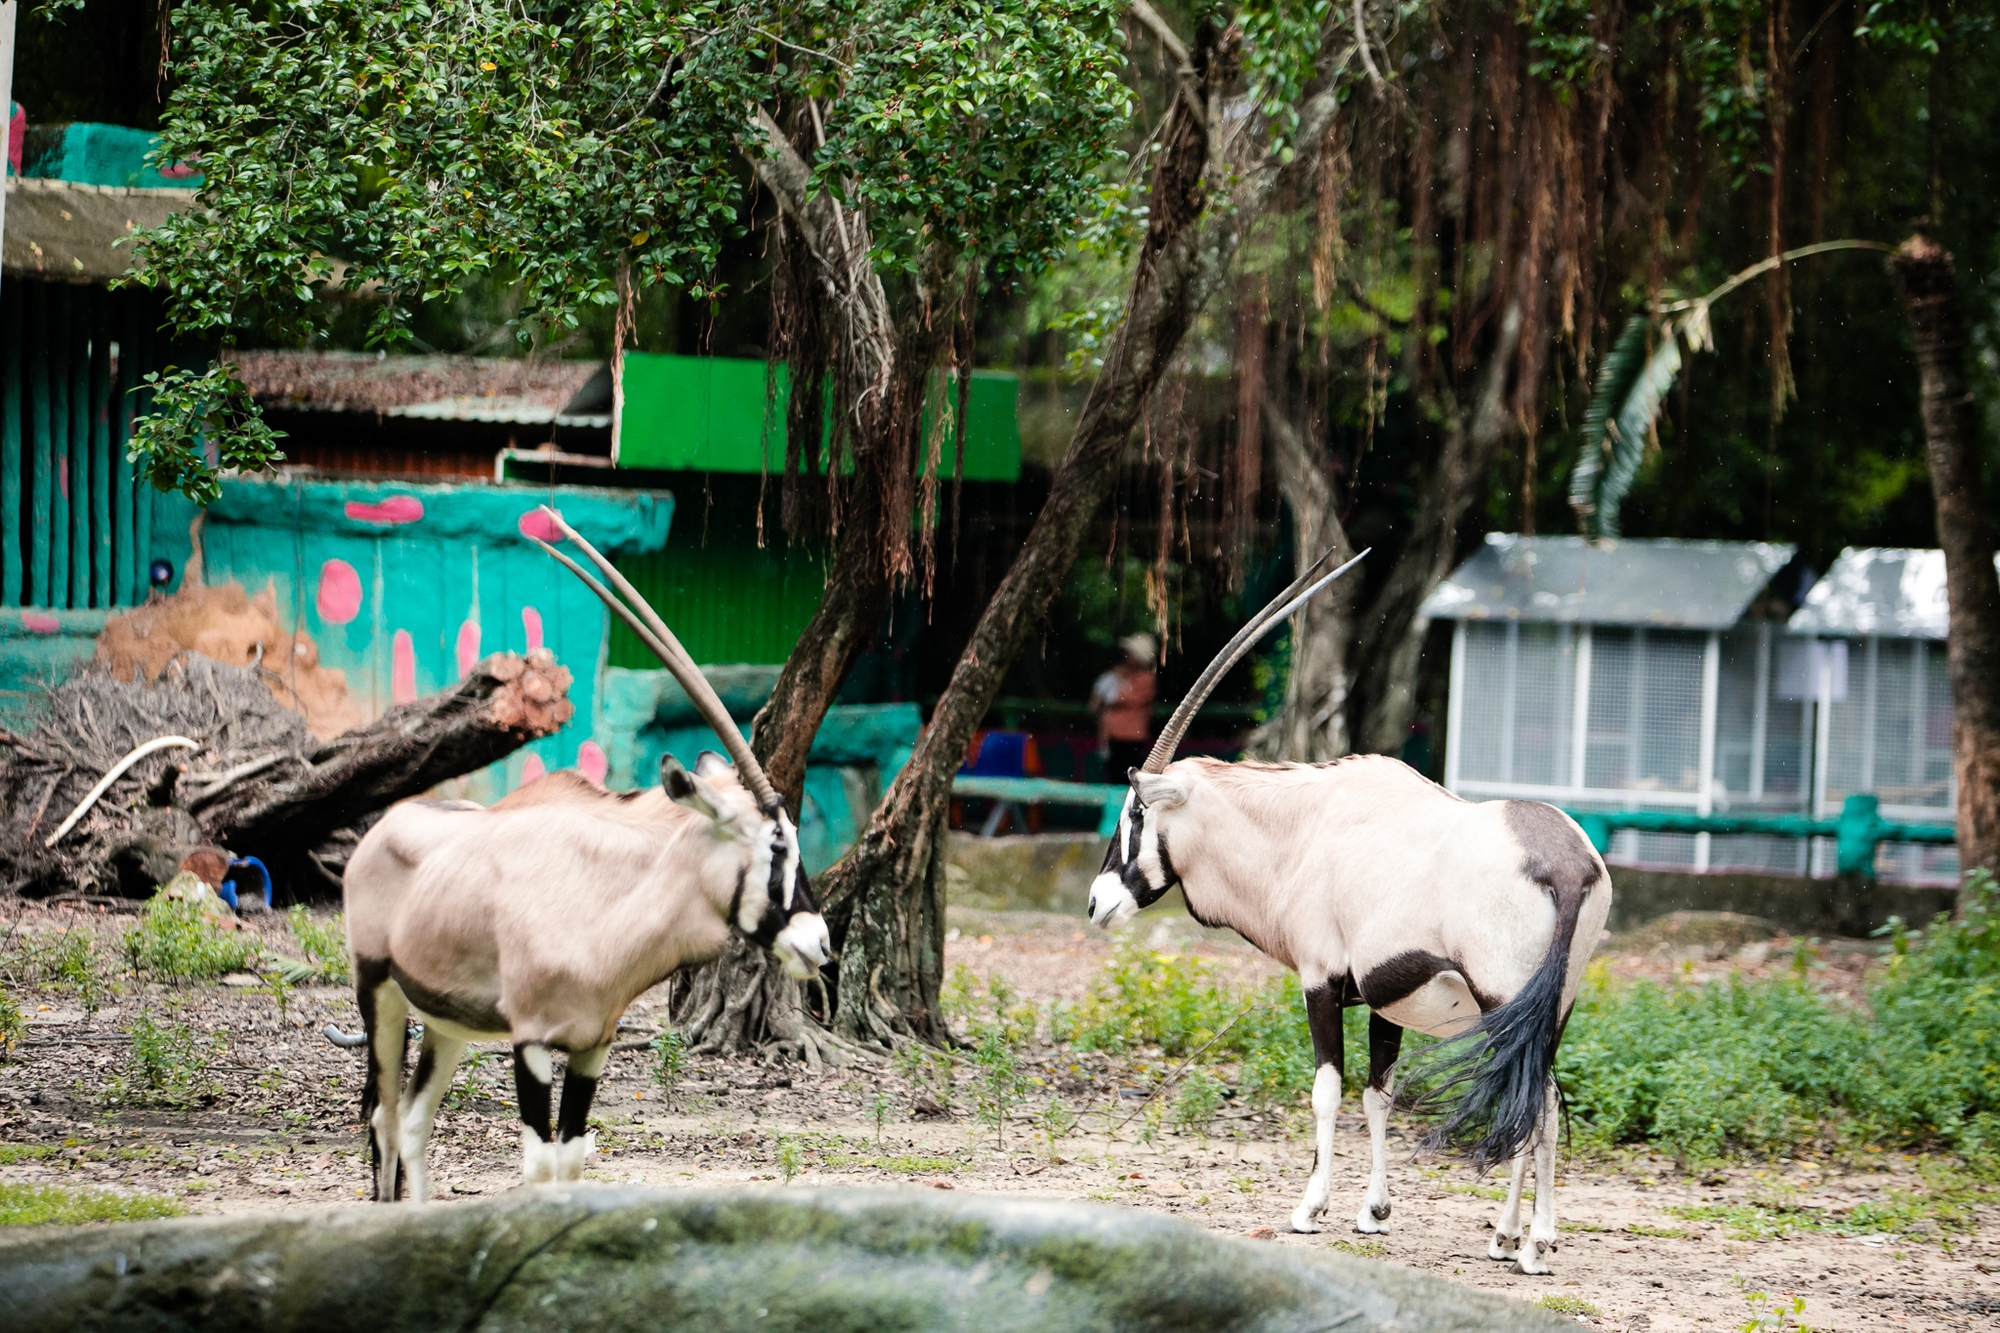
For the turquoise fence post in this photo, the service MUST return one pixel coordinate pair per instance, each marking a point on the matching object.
(1859, 829)
(1107, 823)
(1598, 829)
(11, 408)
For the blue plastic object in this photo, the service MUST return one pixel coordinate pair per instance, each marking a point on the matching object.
(245, 872)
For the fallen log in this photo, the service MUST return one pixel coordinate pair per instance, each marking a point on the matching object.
(257, 782)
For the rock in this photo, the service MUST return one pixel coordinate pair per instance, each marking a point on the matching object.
(612, 1260)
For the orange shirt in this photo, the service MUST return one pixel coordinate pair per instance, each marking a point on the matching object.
(1128, 714)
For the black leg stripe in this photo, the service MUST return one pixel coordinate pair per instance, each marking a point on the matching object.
(576, 1098)
(533, 1096)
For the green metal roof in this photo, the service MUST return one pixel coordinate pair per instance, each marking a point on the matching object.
(708, 414)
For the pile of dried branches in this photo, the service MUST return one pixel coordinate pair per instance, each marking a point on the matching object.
(254, 780)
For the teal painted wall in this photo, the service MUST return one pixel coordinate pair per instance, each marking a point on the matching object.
(443, 575)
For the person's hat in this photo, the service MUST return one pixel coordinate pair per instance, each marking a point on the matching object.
(1140, 647)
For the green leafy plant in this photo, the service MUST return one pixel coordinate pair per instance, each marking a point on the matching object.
(1056, 1121)
(670, 1058)
(1360, 1249)
(879, 1107)
(790, 1159)
(323, 942)
(1197, 1102)
(169, 1066)
(1770, 1314)
(13, 1027)
(191, 413)
(1570, 1305)
(1000, 1086)
(928, 1070)
(177, 941)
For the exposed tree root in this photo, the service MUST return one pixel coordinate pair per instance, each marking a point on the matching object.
(744, 1004)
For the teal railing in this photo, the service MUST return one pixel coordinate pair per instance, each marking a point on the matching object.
(1857, 831)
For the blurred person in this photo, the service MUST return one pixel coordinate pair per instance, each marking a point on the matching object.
(1122, 702)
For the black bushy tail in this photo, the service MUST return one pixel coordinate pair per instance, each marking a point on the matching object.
(1490, 1083)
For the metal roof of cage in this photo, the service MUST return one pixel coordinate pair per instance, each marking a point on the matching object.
(1879, 591)
(1703, 585)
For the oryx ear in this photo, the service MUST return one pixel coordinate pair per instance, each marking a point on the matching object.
(1162, 791)
(692, 790)
(708, 764)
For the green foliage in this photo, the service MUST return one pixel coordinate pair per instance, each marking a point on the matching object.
(993, 1007)
(1360, 1249)
(790, 1159)
(1572, 1305)
(1000, 1086)
(13, 1027)
(978, 124)
(879, 1107)
(1197, 1102)
(177, 941)
(1761, 1066)
(1563, 41)
(1770, 1314)
(1056, 1121)
(324, 942)
(198, 425)
(169, 1067)
(670, 1056)
(66, 960)
(928, 1070)
(1281, 45)
(1619, 421)
(23, 1205)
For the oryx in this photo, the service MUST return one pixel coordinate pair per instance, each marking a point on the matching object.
(1469, 920)
(538, 920)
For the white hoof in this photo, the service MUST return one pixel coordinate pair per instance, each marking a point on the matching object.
(571, 1157)
(1534, 1257)
(1502, 1248)
(538, 1159)
(1372, 1220)
(1302, 1221)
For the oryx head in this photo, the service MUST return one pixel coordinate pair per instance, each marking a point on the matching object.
(773, 904)
(1138, 868)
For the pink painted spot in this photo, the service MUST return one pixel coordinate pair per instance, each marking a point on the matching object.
(397, 509)
(590, 762)
(539, 525)
(40, 622)
(532, 769)
(403, 668)
(468, 648)
(339, 597)
(62, 476)
(531, 621)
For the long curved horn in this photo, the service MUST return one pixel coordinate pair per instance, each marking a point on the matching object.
(653, 632)
(1301, 591)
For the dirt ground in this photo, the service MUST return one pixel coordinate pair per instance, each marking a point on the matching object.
(281, 1132)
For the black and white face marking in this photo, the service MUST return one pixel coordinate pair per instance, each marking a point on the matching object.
(790, 924)
(1137, 869)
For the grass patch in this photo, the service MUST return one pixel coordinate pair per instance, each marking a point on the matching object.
(52, 1205)
(177, 941)
(324, 943)
(1574, 1305)
(169, 1067)
(12, 1154)
(1945, 1206)
(1662, 1233)
(1360, 1249)
(906, 1164)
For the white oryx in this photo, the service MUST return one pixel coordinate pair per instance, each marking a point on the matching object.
(1381, 889)
(538, 920)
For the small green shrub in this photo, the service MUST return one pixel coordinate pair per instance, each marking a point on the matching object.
(1571, 1305)
(1000, 1086)
(993, 1006)
(1199, 1098)
(52, 1205)
(1056, 1121)
(169, 1067)
(13, 1027)
(928, 1070)
(791, 1159)
(177, 941)
(669, 1061)
(879, 1107)
(324, 943)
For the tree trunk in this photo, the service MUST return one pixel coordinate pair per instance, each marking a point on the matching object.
(885, 898)
(1952, 440)
(1312, 726)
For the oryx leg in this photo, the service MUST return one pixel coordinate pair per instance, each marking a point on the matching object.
(437, 1060)
(534, 1070)
(1385, 1043)
(1542, 1234)
(385, 1020)
(575, 1144)
(1323, 1015)
(1506, 1242)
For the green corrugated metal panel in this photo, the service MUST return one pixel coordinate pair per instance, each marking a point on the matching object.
(708, 414)
(725, 601)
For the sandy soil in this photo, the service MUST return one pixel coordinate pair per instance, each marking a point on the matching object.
(282, 1134)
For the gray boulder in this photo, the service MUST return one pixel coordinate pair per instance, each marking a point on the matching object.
(613, 1260)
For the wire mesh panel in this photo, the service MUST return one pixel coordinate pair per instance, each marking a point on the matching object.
(1889, 733)
(1544, 681)
(1645, 710)
(1483, 708)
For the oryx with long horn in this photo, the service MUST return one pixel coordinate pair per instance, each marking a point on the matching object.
(539, 920)
(1468, 921)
